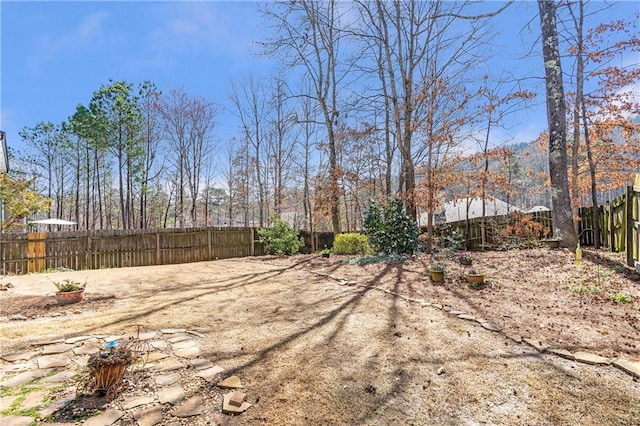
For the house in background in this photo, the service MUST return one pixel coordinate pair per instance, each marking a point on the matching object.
(464, 208)
(4, 164)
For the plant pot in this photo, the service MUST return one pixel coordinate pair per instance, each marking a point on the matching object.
(476, 279)
(553, 244)
(437, 276)
(109, 376)
(69, 297)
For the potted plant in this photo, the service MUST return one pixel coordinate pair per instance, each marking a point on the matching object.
(437, 273)
(326, 252)
(69, 291)
(107, 368)
(474, 278)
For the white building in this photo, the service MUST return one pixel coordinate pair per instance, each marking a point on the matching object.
(464, 208)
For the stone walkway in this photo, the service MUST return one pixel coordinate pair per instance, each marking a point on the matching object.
(165, 386)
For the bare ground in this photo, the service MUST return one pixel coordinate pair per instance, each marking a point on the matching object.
(312, 351)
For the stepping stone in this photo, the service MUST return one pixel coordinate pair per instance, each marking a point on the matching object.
(191, 407)
(630, 367)
(159, 344)
(167, 379)
(56, 349)
(480, 320)
(145, 336)
(73, 340)
(107, 418)
(87, 349)
(57, 405)
(149, 417)
(82, 361)
(33, 400)
(491, 326)
(22, 356)
(190, 353)
(53, 361)
(178, 338)
(173, 330)
(169, 365)
(136, 401)
(231, 382)
(17, 367)
(467, 317)
(171, 395)
(453, 312)
(210, 373)
(592, 359)
(515, 337)
(185, 344)
(561, 352)
(23, 378)
(6, 401)
(196, 333)
(227, 408)
(153, 356)
(237, 398)
(537, 345)
(201, 363)
(17, 421)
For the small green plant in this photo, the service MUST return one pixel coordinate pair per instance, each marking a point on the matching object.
(437, 268)
(67, 285)
(584, 290)
(325, 251)
(621, 297)
(352, 243)
(280, 239)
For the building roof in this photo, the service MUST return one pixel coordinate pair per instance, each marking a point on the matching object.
(457, 210)
(4, 154)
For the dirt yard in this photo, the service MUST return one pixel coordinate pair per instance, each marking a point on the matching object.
(317, 341)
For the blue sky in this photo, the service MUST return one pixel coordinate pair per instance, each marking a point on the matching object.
(55, 54)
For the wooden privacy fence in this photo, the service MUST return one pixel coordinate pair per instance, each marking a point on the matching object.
(22, 253)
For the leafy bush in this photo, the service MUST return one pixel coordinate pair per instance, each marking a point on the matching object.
(621, 297)
(280, 239)
(390, 229)
(67, 285)
(351, 243)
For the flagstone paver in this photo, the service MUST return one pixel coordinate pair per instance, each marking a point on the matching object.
(87, 349)
(33, 399)
(178, 338)
(54, 361)
(107, 418)
(190, 353)
(60, 377)
(149, 417)
(159, 344)
(630, 367)
(173, 330)
(191, 407)
(171, 395)
(589, 358)
(17, 421)
(154, 356)
(167, 379)
(561, 352)
(201, 363)
(21, 356)
(227, 408)
(210, 373)
(23, 378)
(136, 401)
(6, 401)
(57, 349)
(55, 406)
(185, 344)
(231, 382)
(146, 336)
(169, 364)
(77, 339)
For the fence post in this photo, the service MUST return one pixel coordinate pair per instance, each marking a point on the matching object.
(628, 224)
(612, 234)
(253, 242)
(158, 253)
(209, 243)
(89, 257)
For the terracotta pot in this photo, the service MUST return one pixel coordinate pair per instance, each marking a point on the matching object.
(437, 276)
(109, 376)
(475, 278)
(69, 297)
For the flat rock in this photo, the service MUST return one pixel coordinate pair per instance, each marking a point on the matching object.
(149, 417)
(589, 358)
(169, 364)
(536, 344)
(55, 406)
(231, 382)
(33, 400)
(56, 349)
(171, 395)
(49, 342)
(107, 418)
(23, 378)
(201, 363)
(72, 340)
(630, 367)
(561, 352)
(167, 379)
(114, 337)
(87, 349)
(185, 344)
(17, 317)
(153, 356)
(491, 326)
(190, 353)
(191, 407)
(454, 312)
(6, 401)
(136, 401)
(60, 377)
(54, 361)
(146, 336)
(81, 361)
(178, 338)
(159, 344)
(17, 421)
(173, 330)
(196, 333)
(515, 337)
(22, 356)
(227, 408)
(210, 373)
(467, 317)
(237, 398)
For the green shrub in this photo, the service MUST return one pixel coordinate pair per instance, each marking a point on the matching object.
(68, 285)
(351, 243)
(621, 297)
(390, 229)
(280, 239)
